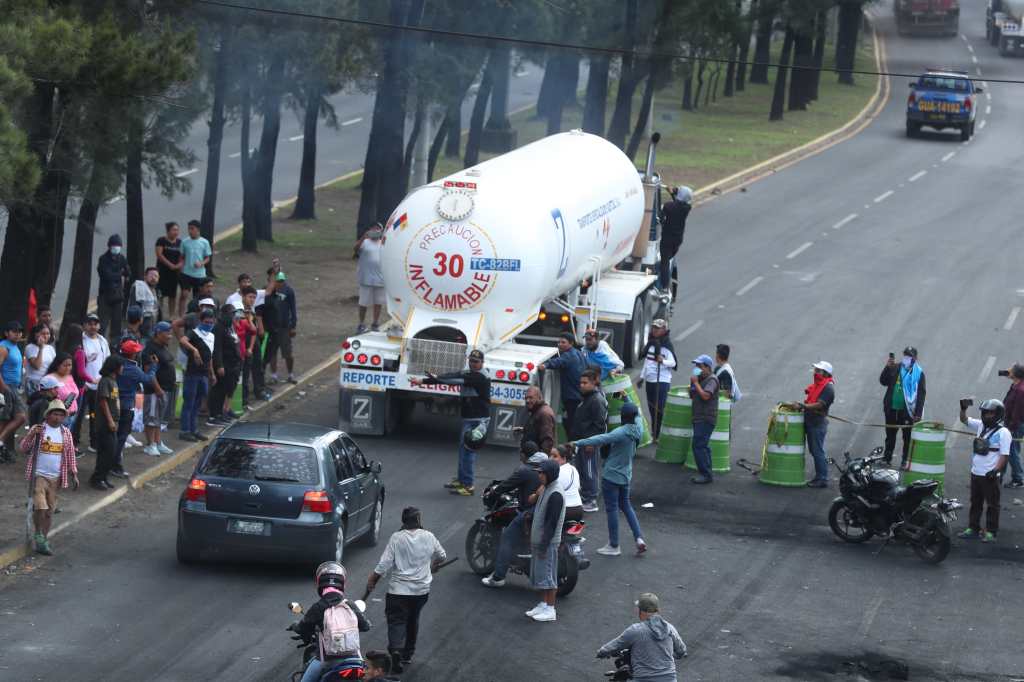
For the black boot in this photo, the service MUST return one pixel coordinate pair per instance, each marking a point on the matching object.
(396, 661)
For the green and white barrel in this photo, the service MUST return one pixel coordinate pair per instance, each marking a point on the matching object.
(927, 454)
(784, 449)
(676, 427)
(622, 384)
(720, 437)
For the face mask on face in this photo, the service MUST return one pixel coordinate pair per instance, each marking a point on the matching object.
(696, 371)
(207, 328)
(115, 250)
(907, 361)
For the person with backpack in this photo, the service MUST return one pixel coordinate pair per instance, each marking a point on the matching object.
(412, 556)
(333, 620)
(616, 476)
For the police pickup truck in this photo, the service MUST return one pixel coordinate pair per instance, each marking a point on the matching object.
(943, 99)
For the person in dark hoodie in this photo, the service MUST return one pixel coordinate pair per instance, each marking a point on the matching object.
(524, 482)
(903, 403)
(227, 365)
(114, 275)
(330, 580)
(654, 644)
(570, 362)
(673, 227)
(545, 538)
(591, 420)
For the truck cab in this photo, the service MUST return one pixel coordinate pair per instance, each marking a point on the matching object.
(942, 99)
(927, 17)
(1003, 26)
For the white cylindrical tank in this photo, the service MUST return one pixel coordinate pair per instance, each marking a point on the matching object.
(482, 249)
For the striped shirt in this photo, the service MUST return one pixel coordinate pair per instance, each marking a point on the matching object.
(30, 446)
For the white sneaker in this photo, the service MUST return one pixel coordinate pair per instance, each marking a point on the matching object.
(131, 441)
(590, 506)
(92, 449)
(536, 609)
(151, 450)
(164, 450)
(608, 550)
(491, 581)
(544, 615)
(641, 546)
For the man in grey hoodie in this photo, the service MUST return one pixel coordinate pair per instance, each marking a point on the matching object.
(653, 643)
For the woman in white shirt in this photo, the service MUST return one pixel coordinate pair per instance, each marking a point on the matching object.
(569, 483)
(39, 353)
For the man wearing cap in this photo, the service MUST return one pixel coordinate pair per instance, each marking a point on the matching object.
(820, 396)
(144, 294)
(195, 255)
(114, 275)
(659, 361)
(903, 403)
(97, 350)
(157, 352)
(570, 362)
(524, 482)
(673, 225)
(704, 393)
(39, 402)
(413, 554)
(227, 366)
(12, 405)
(475, 407)
(280, 317)
(599, 354)
(368, 250)
(197, 345)
(128, 382)
(50, 464)
(654, 644)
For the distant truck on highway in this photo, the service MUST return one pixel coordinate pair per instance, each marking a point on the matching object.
(1003, 22)
(559, 235)
(927, 17)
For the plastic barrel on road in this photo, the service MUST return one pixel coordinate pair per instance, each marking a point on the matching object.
(676, 427)
(927, 454)
(720, 460)
(784, 449)
(621, 384)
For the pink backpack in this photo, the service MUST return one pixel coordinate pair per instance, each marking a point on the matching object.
(340, 632)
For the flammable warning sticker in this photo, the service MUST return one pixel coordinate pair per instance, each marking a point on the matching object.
(439, 265)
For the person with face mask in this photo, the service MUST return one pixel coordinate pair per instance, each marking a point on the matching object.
(991, 451)
(903, 403)
(371, 278)
(227, 365)
(114, 275)
(820, 396)
(1014, 402)
(704, 393)
(197, 345)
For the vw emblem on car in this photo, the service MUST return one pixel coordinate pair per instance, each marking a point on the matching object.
(254, 490)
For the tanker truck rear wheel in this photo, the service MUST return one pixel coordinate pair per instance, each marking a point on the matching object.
(637, 330)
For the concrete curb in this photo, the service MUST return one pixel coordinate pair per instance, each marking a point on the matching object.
(18, 552)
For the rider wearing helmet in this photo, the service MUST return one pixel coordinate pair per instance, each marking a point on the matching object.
(673, 225)
(329, 579)
(991, 450)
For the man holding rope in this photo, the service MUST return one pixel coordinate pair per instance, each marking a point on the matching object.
(820, 396)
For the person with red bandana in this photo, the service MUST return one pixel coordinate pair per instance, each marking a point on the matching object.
(820, 396)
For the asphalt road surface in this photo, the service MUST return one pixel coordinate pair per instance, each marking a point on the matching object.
(750, 574)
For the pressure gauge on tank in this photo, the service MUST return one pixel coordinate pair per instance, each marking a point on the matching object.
(455, 205)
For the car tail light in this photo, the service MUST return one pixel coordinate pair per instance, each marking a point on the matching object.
(345, 345)
(967, 104)
(196, 490)
(500, 374)
(524, 376)
(911, 100)
(530, 366)
(375, 361)
(362, 358)
(349, 356)
(316, 501)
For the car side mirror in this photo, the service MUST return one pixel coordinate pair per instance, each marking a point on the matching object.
(376, 467)
(979, 90)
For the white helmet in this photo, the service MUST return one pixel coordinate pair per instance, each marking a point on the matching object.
(684, 194)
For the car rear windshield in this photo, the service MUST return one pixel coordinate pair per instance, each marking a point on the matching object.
(260, 461)
(945, 83)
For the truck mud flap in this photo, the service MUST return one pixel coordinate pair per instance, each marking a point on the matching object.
(363, 412)
(504, 418)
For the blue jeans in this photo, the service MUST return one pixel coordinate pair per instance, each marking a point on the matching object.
(193, 390)
(313, 671)
(616, 496)
(702, 447)
(1016, 470)
(586, 464)
(511, 540)
(467, 457)
(816, 444)
(657, 394)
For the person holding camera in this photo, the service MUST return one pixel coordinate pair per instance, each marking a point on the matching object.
(654, 644)
(903, 403)
(1014, 402)
(991, 450)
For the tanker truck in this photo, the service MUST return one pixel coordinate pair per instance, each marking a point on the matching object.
(1003, 21)
(558, 235)
(927, 17)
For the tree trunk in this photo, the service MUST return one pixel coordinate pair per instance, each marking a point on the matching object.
(135, 227)
(779, 96)
(712, 95)
(81, 271)
(730, 72)
(417, 129)
(850, 15)
(549, 95)
(688, 87)
(249, 236)
(208, 215)
(645, 111)
(597, 95)
(819, 55)
(436, 144)
(762, 49)
(622, 113)
(476, 119)
(502, 57)
(259, 188)
(453, 121)
(700, 83)
(803, 60)
(746, 34)
(52, 198)
(305, 203)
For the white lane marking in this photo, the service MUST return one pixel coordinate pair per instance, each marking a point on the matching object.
(974, 58)
(750, 285)
(235, 155)
(978, 70)
(964, 37)
(350, 122)
(970, 48)
(987, 369)
(449, 532)
(982, 124)
(845, 221)
(885, 195)
(988, 109)
(689, 330)
(800, 249)
(870, 613)
(988, 96)
(917, 176)
(185, 174)
(948, 156)
(295, 138)
(119, 197)
(1012, 318)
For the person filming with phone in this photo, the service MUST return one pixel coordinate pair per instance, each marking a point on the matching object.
(903, 403)
(991, 449)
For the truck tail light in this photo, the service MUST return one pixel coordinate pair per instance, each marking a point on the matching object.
(196, 490)
(543, 316)
(530, 366)
(500, 374)
(345, 345)
(375, 361)
(316, 501)
(524, 377)
(362, 358)
(565, 319)
(967, 104)
(349, 356)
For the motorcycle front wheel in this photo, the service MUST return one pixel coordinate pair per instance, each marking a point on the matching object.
(568, 572)
(844, 523)
(934, 545)
(482, 547)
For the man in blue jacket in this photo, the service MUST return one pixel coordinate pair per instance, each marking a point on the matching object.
(128, 382)
(570, 362)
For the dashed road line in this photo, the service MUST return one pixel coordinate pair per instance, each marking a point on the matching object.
(296, 138)
(185, 174)
(978, 71)
(974, 59)
(982, 124)
(800, 249)
(987, 369)
(883, 196)
(970, 48)
(948, 156)
(350, 122)
(845, 221)
(689, 330)
(988, 96)
(917, 176)
(988, 109)
(1012, 318)
(750, 285)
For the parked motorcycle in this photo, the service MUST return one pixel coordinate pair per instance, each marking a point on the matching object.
(353, 668)
(623, 661)
(485, 534)
(873, 503)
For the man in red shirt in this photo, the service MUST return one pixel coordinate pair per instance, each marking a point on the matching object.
(1014, 402)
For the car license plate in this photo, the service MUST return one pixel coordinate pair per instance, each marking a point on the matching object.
(246, 527)
(936, 117)
(575, 549)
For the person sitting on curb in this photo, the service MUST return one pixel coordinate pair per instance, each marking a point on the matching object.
(51, 463)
